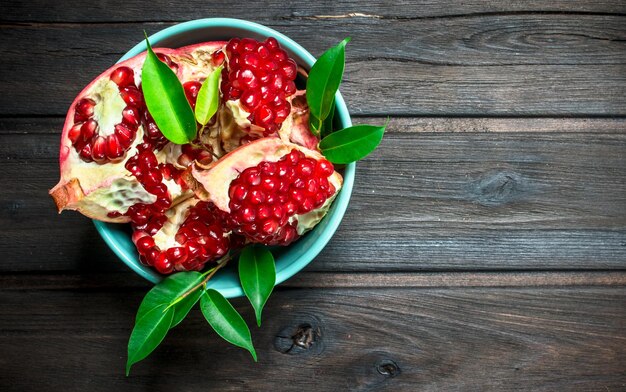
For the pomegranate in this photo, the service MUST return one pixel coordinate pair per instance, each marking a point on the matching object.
(252, 175)
(106, 125)
(273, 191)
(193, 234)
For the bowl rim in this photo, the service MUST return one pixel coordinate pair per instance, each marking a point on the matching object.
(339, 205)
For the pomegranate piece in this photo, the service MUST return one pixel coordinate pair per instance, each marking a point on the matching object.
(104, 129)
(273, 191)
(193, 234)
(262, 78)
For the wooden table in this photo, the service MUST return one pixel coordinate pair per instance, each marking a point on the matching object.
(484, 247)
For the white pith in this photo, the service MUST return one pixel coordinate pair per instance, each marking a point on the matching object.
(164, 238)
(109, 106)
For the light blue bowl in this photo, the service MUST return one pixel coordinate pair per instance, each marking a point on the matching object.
(289, 260)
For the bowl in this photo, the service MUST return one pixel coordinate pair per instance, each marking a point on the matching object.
(290, 259)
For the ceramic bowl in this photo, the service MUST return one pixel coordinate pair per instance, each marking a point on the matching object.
(290, 259)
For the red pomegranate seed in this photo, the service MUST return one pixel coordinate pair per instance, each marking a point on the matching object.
(99, 149)
(217, 58)
(144, 244)
(263, 115)
(163, 264)
(281, 111)
(263, 51)
(74, 133)
(191, 91)
(124, 135)
(247, 45)
(290, 88)
(113, 148)
(85, 153)
(232, 46)
(84, 109)
(279, 55)
(250, 99)
(88, 129)
(271, 43)
(269, 65)
(123, 76)
(131, 116)
(132, 96)
(289, 69)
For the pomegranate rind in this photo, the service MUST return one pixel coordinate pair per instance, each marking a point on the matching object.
(78, 179)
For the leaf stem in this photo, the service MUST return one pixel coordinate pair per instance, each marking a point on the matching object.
(207, 275)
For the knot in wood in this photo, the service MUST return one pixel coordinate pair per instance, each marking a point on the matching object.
(497, 187)
(387, 368)
(298, 339)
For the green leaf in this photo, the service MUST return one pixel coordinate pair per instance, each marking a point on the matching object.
(148, 332)
(327, 126)
(208, 97)
(170, 289)
(351, 144)
(257, 273)
(166, 101)
(323, 82)
(225, 320)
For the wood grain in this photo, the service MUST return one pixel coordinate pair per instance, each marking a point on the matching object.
(159, 10)
(540, 339)
(504, 65)
(423, 201)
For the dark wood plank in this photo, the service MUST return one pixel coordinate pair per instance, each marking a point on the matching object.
(110, 281)
(540, 339)
(423, 201)
(134, 10)
(528, 64)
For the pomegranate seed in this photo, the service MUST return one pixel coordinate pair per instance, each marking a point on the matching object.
(256, 196)
(248, 214)
(250, 99)
(99, 149)
(306, 167)
(124, 136)
(290, 88)
(289, 69)
(85, 153)
(277, 83)
(232, 46)
(217, 58)
(132, 96)
(74, 133)
(84, 109)
(279, 55)
(271, 43)
(324, 168)
(145, 243)
(269, 65)
(281, 111)
(311, 186)
(270, 227)
(191, 91)
(263, 212)
(131, 116)
(263, 51)
(123, 76)
(177, 254)
(269, 184)
(247, 45)
(163, 264)
(252, 177)
(113, 148)
(88, 129)
(306, 206)
(252, 60)
(263, 115)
